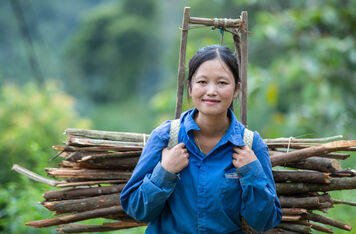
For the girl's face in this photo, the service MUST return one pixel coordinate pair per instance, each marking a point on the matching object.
(213, 88)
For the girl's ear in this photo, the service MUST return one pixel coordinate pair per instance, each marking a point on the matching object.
(189, 89)
(237, 89)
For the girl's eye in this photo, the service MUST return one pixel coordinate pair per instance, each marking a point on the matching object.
(222, 82)
(201, 81)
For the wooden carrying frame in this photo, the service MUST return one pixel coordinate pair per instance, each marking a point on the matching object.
(239, 29)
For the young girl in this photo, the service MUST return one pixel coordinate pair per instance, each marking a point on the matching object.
(206, 182)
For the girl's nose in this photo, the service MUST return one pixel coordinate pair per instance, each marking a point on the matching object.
(211, 89)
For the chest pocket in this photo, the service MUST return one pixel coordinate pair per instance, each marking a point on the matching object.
(230, 190)
(230, 194)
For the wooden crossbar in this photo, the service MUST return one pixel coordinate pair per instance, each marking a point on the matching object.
(242, 25)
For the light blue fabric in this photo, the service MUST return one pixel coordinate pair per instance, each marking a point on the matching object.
(210, 194)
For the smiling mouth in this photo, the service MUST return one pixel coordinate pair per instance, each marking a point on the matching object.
(210, 101)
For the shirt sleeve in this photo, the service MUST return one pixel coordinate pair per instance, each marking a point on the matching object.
(260, 206)
(150, 185)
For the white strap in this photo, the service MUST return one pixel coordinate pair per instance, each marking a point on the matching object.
(173, 133)
(175, 125)
(248, 138)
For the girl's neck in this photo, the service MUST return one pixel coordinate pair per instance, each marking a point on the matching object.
(212, 126)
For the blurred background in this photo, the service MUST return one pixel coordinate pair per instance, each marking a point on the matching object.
(112, 65)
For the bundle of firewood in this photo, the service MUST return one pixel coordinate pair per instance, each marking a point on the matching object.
(97, 164)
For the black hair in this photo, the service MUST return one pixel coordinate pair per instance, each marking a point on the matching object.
(209, 53)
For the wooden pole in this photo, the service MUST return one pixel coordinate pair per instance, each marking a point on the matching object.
(316, 164)
(243, 68)
(322, 149)
(83, 204)
(228, 23)
(82, 192)
(300, 188)
(182, 55)
(328, 221)
(76, 217)
(301, 176)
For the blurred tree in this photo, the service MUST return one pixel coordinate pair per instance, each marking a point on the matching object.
(307, 77)
(116, 50)
(31, 118)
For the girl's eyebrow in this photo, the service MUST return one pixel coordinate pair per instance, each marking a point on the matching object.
(201, 76)
(223, 77)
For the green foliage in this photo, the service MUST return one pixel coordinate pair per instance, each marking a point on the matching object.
(32, 118)
(313, 78)
(116, 49)
(19, 204)
(134, 115)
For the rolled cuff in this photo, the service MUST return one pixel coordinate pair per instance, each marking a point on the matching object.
(251, 172)
(163, 178)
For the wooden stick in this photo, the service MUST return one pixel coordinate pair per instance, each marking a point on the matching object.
(293, 211)
(68, 148)
(181, 66)
(83, 204)
(108, 135)
(340, 156)
(300, 188)
(291, 146)
(95, 182)
(302, 146)
(344, 202)
(89, 173)
(82, 192)
(295, 227)
(113, 154)
(243, 66)
(301, 176)
(321, 228)
(343, 173)
(79, 228)
(295, 140)
(74, 140)
(122, 224)
(34, 176)
(227, 23)
(316, 163)
(128, 163)
(76, 217)
(325, 220)
(279, 231)
(293, 218)
(82, 155)
(311, 151)
(313, 202)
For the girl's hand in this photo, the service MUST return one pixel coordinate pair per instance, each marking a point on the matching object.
(175, 159)
(242, 155)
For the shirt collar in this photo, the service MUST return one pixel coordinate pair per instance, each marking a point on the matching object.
(233, 133)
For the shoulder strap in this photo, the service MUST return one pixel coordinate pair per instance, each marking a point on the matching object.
(248, 138)
(175, 125)
(173, 133)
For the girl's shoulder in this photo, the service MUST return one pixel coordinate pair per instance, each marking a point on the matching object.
(162, 131)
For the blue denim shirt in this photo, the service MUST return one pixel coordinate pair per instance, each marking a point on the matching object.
(210, 194)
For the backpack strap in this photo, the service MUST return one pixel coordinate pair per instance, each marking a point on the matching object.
(248, 138)
(173, 133)
(175, 125)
